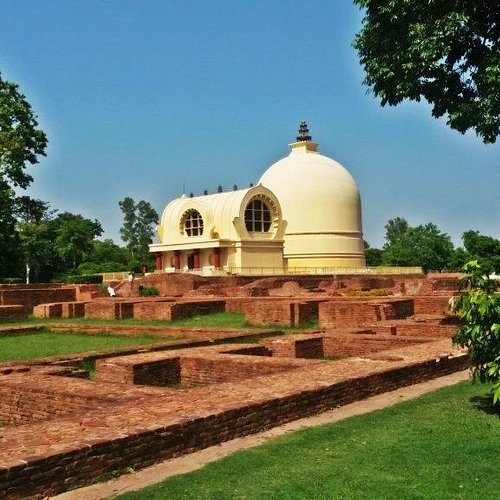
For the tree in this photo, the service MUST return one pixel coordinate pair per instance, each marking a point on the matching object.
(138, 227)
(478, 306)
(105, 256)
(444, 52)
(74, 236)
(128, 230)
(424, 246)
(35, 246)
(32, 210)
(394, 230)
(9, 241)
(33, 231)
(484, 249)
(373, 256)
(21, 142)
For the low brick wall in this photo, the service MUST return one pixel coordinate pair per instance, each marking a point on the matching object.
(73, 309)
(202, 371)
(432, 304)
(30, 297)
(109, 309)
(48, 310)
(278, 311)
(21, 407)
(153, 310)
(355, 312)
(363, 345)
(194, 308)
(426, 330)
(296, 346)
(144, 445)
(12, 312)
(185, 369)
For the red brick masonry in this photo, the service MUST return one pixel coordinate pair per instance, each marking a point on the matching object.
(81, 429)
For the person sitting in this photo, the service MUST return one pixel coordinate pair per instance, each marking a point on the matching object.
(111, 291)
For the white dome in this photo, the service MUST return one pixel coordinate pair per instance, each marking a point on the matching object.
(320, 201)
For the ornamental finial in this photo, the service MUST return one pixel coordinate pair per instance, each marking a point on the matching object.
(303, 133)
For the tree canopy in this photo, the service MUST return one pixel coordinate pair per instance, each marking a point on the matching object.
(21, 141)
(139, 220)
(447, 53)
(424, 246)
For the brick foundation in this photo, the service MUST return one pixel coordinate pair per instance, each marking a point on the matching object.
(12, 312)
(139, 426)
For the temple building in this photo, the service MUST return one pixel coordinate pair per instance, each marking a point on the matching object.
(304, 214)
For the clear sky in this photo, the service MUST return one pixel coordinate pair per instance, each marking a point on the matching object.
(149, 98)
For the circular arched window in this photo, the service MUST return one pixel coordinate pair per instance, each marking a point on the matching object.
(191, 223)
(257, 216)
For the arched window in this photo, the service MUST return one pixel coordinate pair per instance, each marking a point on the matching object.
(191, 223)
(257, 216)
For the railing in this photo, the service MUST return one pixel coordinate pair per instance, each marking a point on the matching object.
(266, 271)
(117, 276)
(280, 271)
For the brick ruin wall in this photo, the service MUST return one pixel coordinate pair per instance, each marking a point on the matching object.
(143, 447)
(280, 311)
(355, 312)
(12, 312)
(31, 297)
(24, 402)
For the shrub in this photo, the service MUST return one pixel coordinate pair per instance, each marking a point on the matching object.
(148, 291)
(478, 306)
(11, 281)
(87, 279)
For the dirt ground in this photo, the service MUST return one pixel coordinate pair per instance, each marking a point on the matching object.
(193, 461)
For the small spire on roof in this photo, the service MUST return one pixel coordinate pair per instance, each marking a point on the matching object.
(303, 132)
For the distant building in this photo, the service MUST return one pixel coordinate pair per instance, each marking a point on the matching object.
(305, 212)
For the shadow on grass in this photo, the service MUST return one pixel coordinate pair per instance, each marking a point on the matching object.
(485, 404)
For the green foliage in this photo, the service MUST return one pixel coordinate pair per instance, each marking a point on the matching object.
(88, 279)
(138, 228)
(149, 291)
(394, 230)
(478, 306)
(21, 142)
(10, 281)
(374, 256)
(41, 344)
(447, 53)
(108, 251)
(424, 246)
(484, 249)
(74, 237)
(10, 262)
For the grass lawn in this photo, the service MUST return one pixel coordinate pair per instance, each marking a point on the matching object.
(216, 320)
(221, 320)
(444, 445)
(38, 345)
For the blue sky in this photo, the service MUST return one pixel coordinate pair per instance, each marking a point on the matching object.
(147, 98)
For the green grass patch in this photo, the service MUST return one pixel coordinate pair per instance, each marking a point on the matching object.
(220, 320)
(443, 445)
(230, 320)
(38, 345)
